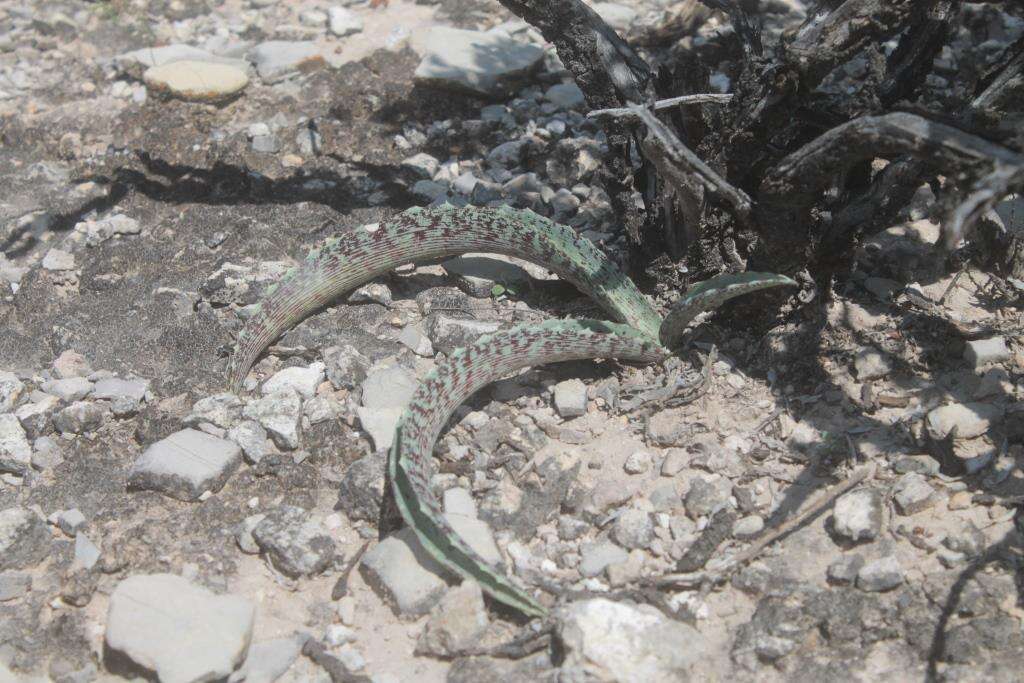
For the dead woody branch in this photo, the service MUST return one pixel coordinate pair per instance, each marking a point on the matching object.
(787, 176)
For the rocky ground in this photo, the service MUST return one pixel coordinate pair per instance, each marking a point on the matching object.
(163, 162)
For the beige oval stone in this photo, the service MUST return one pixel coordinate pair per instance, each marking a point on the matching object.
(197, 81)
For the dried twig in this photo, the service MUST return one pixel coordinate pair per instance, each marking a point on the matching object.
(682, 100)
(696, 579)
(677, 162)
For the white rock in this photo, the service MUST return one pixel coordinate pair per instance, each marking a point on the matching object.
(197, 81)
(86, 552)
(269, 660)
(185, 465)
(343, 22)
(595, 557)
(389, 387)
(406, 573)
(11, 389)
(609, 641)
(980, 352)
(455, 623)
(913, 493)
(279, 414)
(422, 164)
(748, 527)
(181, 631)
(459, 501)
(137, 61)
(638, 462)
(967, 419)
(15, 452)
(871, 364)
(480, 62)
(571, 398)
(858, 514)
(417, 341)
(880, 575)
(303, 381)
(58, 259)
(477, 534)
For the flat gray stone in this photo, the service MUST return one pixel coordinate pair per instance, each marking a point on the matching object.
(880, 575)
(295, 544)
(137, 61)
(279, 414)
(99, 231)
(611, 641)
(416, 340)
(268, 660)
(80, 417)
(69, 521)
(456, 622)
(24, 538)
(980, 352)
(114, 388)
(748, 527)
(67, 390)
(422, 164)
(197, 80)
(402, 570)
(185, 465)
(667, 427)
(46, 453)
(429, 190)
(844, 570)
(87, 554)
(389, 387)
(968, 419)
(379, 424)
(181, 631)
(459, 501)
(474, 61)
(477, 534)
(276, 60)
(571, 398)
(58, 260)
(15, 451)
(252, 437)
(913, 494)
(633, 528)
(595, 557)
(858, 515)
